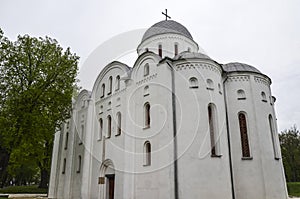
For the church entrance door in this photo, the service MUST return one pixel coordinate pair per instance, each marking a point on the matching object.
(110, 179)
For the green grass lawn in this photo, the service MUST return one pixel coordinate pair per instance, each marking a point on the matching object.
(294, 188)
(23, 189)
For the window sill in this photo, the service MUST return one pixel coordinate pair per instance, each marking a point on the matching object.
(146, 127)
(109, 93)
(264, 100)
(241, 98)
(146, 165)
(208, 88)
(277, 158)
(77, 171)
(247, 158)
(146, 94)
(80, 143)
(193, 87)
(117, 134)
(216, 156)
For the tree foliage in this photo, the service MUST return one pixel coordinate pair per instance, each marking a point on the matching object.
(290, 149)
(37, 80)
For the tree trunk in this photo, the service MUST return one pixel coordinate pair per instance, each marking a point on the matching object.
(44, 179)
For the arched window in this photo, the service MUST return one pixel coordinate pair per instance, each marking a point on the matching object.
(212, 121)
(119, 120)
(64, 166)
(220, 88)
(176, 49)
(160, 50)
(109, 85)
(81, 134)
(108, 126)
(103, 90)
(210, 84)
(79, 164)
(241, 94)
(147, 153)
(193, 82)
(101, 109)
(273, 137)
(117, 83)
(263, 97)
(146, 90)
(147, 114)
(100, 128)
(244, 135)
(146, 69)
(66, 141)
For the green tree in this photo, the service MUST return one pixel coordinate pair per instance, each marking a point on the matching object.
(37, 80)
(290, 149)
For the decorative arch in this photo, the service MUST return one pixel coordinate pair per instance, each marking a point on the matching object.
(147, 117)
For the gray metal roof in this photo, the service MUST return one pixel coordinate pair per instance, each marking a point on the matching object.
(168, 26)
(236, 66)
(190, 55)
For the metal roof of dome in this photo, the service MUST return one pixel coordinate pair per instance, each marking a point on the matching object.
(236, 66)
(166, 26)
(188, 55)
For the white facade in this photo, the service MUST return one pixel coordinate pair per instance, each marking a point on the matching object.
(175, 125)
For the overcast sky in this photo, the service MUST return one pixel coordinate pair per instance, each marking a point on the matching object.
(262, 33)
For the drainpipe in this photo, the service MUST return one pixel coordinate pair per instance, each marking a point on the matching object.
(176, 193)
(229, 143)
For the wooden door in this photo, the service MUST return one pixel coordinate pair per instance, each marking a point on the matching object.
(111, 186)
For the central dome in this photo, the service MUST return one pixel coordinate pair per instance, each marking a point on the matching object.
(168, 26)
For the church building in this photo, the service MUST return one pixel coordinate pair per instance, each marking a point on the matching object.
(175, 125)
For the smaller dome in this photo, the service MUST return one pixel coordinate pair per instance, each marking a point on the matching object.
(191, 55)
(236, 66)
(168, 26)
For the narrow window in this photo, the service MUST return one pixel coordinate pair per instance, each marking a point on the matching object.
(241, 94)
(146, 90)
(193, 82)
(66, 141)
(81, 134)
(101, 128)
(64, 166)
(79, 164)
(273, 137)
(213, 130)
(147, 153)
(147, 114)
(110, 85)
(117, 83)
(119, 130)
(103, 90)
(146, 69)
(189, 49)
(108, 126)
(160, 50)
(210, 84)
(176, 49)
(263, 97)
(220, 89)
(244, 136)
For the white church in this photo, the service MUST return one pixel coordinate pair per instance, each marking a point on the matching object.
(175, 125)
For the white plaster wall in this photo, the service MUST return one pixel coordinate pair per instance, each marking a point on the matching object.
(200, 175)
(262, 173)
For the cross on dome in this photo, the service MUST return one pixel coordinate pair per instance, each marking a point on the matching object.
(166, 14)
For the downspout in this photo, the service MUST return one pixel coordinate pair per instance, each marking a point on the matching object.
(176, 193)
(229, 143)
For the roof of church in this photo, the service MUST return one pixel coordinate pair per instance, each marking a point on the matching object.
(236, 66)
(166, 26)
(189, 55)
